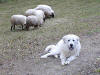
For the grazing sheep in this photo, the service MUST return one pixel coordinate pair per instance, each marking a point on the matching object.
(38, 13)
(30, 12)
(17, 20)
(35, 20)
(48, 11)
(41, 16)
(31, 21)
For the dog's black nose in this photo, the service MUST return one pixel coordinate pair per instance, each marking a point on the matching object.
(71, 45)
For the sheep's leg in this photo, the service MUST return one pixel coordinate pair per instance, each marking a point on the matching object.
(11, 27)
(44, 19)
(27, 27)
(22, 27)
(39, 25)
(35, 26)
(14, 27)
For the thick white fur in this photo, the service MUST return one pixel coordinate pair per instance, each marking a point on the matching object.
(63, 49)
(47, 10)
(33, 20)
(37, 15)
(40, 15)
(30, 12)
(18, 19)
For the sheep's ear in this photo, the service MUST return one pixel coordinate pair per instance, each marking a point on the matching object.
(64, 39)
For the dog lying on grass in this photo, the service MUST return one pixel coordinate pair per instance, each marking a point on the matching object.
(68, 44)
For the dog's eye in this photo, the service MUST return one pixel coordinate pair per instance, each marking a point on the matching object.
(68, 40)
(73, 40)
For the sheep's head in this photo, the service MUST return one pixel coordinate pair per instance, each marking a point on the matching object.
(52, 15)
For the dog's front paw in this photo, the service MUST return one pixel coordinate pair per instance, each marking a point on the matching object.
(43, 56)
(62, 63)
(56, 56)
(67, 62)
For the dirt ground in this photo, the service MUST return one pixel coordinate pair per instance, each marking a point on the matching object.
(85, 64)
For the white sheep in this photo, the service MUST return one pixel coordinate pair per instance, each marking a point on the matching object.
(17, 20)
(30, 12)
(41, 16)
(38, 13)
(35, 20)
(31, 21)
(48, 11)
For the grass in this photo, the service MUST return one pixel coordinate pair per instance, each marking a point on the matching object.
(97, 70)
(72, 16)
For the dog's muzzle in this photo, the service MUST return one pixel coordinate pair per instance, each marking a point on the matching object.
(71, 47)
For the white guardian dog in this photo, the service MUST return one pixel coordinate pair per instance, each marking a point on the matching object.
(68, 46)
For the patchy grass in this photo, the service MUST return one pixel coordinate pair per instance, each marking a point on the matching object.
(98, 70)
(72, 16)
(81, 17)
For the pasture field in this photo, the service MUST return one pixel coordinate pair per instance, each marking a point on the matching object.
(20, 50)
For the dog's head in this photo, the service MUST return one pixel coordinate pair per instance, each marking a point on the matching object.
(71, 41)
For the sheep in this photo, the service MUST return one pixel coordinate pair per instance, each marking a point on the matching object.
(30, 12)
(35, 20)
(48, 11)
(41, 16)
(17, 20)
(31, 21)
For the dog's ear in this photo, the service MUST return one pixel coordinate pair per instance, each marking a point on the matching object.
(78, 39)
(64, 39)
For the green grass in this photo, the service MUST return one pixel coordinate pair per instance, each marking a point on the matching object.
(97, 70)
(72, 16)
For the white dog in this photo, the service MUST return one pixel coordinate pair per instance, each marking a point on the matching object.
(67, 45)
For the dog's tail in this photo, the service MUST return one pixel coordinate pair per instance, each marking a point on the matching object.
(49, 48)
